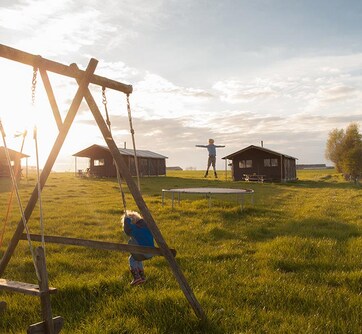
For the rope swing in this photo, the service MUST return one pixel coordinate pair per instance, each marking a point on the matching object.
(11, 196)
(133, 141)
(16, 188)
(35, 137)
(108, 122)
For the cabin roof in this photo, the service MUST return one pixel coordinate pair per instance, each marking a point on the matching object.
(124, 151)
(258, 148)
(12, 153)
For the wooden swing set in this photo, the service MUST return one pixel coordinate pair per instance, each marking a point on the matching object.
(49, 324)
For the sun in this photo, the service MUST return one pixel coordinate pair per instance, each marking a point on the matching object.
(25, 106)
(19, 114)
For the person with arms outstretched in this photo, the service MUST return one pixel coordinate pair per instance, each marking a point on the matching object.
(212, 156)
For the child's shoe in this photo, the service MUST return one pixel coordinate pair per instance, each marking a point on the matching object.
(136, 277)
(143, 277)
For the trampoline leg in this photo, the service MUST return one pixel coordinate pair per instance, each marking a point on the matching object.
(173, 197)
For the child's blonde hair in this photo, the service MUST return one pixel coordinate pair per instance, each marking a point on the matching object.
(135, 216)
(211, 141)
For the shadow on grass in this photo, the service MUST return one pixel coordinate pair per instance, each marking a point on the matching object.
(222, 257)
(308, 228)
(321, 184)
(166, 312)
(318, 228)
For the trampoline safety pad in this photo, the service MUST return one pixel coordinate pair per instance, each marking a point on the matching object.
(208, 192)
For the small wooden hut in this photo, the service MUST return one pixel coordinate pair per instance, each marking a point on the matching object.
(255, 163)
(101, 161)
(15, 158)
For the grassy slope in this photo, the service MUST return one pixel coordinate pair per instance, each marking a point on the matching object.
(290, 264)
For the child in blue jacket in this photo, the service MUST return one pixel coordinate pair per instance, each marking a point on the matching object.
(136, 228)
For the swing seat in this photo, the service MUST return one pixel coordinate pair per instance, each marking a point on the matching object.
(25, 288)
(39, 328)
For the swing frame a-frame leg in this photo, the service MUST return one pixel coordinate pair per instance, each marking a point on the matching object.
(49, 325)
(122, 167)
(84, 78)
(49, 163)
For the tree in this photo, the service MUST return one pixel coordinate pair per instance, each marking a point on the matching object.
(344, 149)
(334, 148)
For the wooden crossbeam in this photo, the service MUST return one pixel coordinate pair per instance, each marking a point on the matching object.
(25, 288)
(97, 244)
(52, 66)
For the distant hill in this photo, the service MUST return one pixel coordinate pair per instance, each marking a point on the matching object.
(174, 168)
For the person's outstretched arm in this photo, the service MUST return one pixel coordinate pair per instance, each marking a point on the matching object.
(200, 145)
(219, 145)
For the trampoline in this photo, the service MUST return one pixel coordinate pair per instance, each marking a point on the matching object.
(208, 192)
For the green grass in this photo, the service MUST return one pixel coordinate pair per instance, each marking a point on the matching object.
(292, 263)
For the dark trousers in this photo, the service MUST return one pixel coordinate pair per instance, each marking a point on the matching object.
(211, 161)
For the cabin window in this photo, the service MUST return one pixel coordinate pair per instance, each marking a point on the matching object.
(98, 162)
(245, 163)
(270, 162)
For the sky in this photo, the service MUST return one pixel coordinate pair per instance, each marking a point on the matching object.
(281, 72)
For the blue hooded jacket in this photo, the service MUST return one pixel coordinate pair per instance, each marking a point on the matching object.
(139, 232)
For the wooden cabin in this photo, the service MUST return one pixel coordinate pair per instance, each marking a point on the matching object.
(101, 161)
(15, 158)
(255, 163)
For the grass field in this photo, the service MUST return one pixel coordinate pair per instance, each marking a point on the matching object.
(292, 263)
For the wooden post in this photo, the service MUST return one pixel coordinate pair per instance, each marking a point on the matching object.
(50, 162)
(226, 169)
(46, 309)
(2, 307)
(122, 167)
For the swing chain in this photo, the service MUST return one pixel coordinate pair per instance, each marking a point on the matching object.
(104, 97)
(104, 101)
(129, 115)
(33, 85)
(2, 131)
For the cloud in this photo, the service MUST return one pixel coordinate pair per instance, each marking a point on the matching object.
(155, 97)
(337, 93)
(303, 136)
(155, 84)
(181, 98)
(316, 85)
(26, 15)
(234, 91)
(56, 28)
